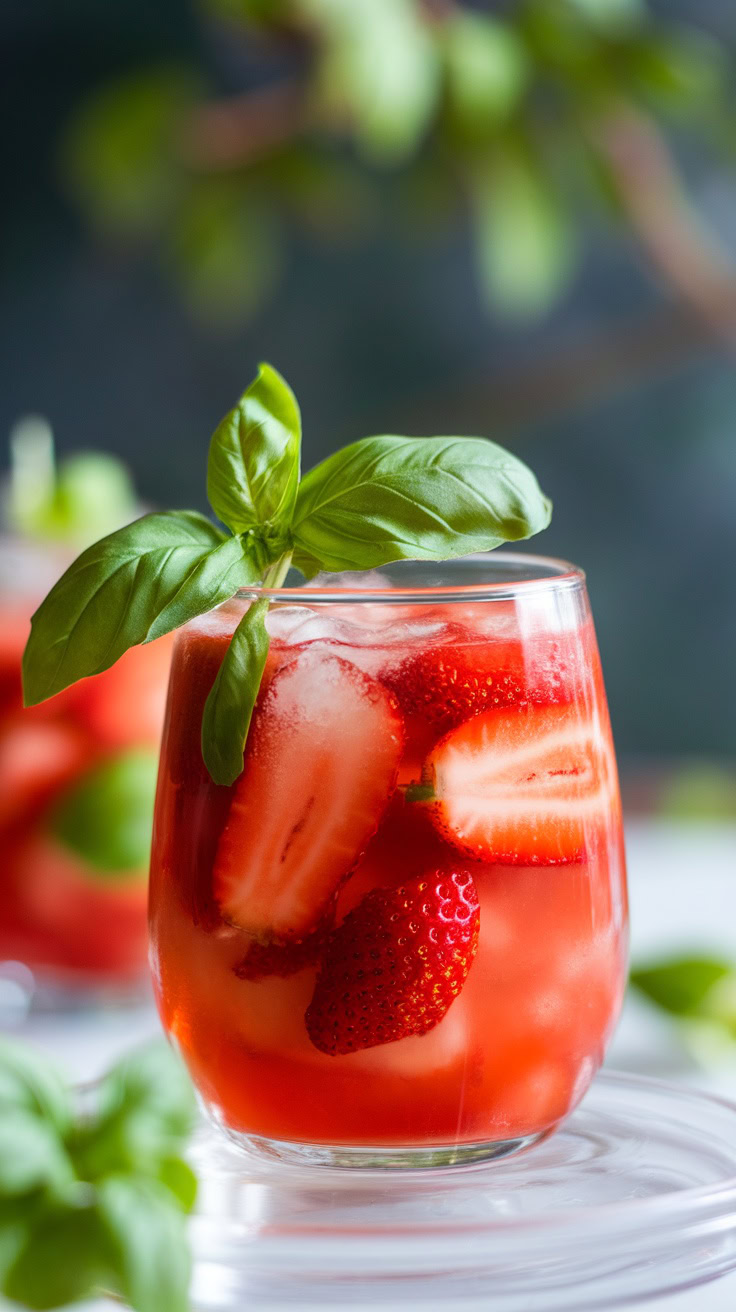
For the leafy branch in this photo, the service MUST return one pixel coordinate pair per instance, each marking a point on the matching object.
(528, 122)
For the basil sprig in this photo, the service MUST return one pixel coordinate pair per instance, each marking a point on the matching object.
(94, 1200)
(378, 500)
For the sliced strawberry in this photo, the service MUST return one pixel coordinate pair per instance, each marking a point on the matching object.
(396, 964)
(321, 763)
(521, 786)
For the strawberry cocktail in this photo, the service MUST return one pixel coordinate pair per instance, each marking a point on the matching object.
(77, 781)
(404, 926)
(387, 905)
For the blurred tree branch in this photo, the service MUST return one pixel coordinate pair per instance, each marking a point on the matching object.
(678, 246)
(490, 107)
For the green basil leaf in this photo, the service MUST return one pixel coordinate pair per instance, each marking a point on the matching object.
(229, 707)
(393, 498)
(145, 1113)
(253, 468)
(30, 1081)
(147, 1239)
(62, 1260)
(31, 1154)
(130, 587)
(179, 1178)
(488, 69)
(107, 816)
(680, 986)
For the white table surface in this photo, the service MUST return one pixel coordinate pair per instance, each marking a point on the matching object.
(683, 897)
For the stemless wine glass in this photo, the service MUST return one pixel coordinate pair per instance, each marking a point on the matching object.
(77, 780)
(400, 938)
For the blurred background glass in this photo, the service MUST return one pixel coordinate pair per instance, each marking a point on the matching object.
(515, 218)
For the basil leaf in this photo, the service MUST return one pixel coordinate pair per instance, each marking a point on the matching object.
(393, 498)
(31, 1154)
(107, 816)
(229, 707)
(180, 1180)
(253, 468)
(61, 1262)
(680, 986)
(145, 1112)
(130, 587)
(146, 1233)
(30, 1081)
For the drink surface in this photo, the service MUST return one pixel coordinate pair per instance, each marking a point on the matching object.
(61, 914)
(405, 924)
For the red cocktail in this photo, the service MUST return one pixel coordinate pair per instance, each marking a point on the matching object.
(402, 931)
(76, 795)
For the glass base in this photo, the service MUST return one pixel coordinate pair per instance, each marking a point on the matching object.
(341, 1157)
(634, 1197)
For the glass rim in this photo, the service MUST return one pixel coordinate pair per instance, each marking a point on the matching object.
(556, 574)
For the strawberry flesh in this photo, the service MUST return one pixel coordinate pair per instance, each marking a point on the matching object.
(522, 786)
(321, 763)
(396, 964)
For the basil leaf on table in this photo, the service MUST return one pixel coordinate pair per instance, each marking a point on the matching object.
(147, 1240)
(253, 466)
(30, 1081)
(397, 498)
(31, 1154)
(145, 1111)
(128, 588)
(62, 1260)
(229, 707)
(107, 816)
(682, 985)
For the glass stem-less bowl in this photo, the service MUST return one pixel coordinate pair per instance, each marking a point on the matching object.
(399, 939)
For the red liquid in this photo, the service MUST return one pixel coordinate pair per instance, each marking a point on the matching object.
(517, 1047)
(70, 922)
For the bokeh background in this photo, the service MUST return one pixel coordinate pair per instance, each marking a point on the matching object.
(514, 218)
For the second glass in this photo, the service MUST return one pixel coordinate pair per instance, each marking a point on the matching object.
(400, 937)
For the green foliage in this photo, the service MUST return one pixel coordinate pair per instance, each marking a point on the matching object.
(397, 498)
(681, 986)
(487, 71)
(86, 495)
(106, 817)
(378, 64)
(524, 240)
(94, 1202)
(130, 587)
(223, 250)
(229, 706)
(448, 96)
(378, 500)
(254, 459)
(119, 153)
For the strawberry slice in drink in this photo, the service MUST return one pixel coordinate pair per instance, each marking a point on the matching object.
(522, 786)
(321, 763)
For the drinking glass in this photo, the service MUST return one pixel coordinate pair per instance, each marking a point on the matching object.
(77, 782)
(400, 937)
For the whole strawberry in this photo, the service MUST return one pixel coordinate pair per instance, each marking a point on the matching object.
(396, 963)
(448, 684)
